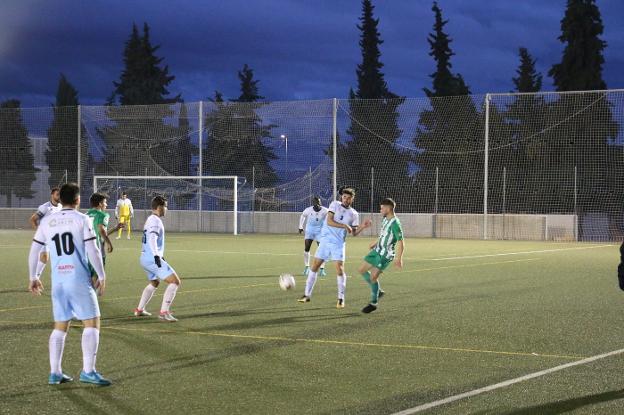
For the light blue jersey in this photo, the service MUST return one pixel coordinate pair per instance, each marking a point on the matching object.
(153, 225)
(346, 216)
(65, 234)
(313, 222)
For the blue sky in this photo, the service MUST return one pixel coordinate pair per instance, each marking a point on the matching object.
(298, 49)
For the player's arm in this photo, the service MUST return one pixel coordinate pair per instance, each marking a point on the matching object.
(117, 209)
(34, 220)
(131, 208)
(105, 238)
(152, 241)
(94, 256)
(302, 220)
(115, 228)
(357, 229)
(35, 286)
(333, 223)
(400, 246)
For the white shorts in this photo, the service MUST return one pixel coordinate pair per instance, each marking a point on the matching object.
(74, 299)
(313, 234)
(330, 252)
(152, 270)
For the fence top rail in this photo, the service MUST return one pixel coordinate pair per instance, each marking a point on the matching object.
(165, 177)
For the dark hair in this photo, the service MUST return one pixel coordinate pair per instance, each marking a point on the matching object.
(54, 189)
(388, 202)
(124, 194)
(347, 191)
(97, 198)
(316, 198)
(69, 193)
(158, 201)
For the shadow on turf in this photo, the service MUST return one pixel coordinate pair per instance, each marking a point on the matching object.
(561, 407)
(229, 277)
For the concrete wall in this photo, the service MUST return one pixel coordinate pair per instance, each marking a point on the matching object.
(420, 225)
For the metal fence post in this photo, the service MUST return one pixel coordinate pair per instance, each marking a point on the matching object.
(335, 146)
(200, 169)
(486, 166)
(79, 135)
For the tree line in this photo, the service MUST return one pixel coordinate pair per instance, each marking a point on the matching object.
(445, 157)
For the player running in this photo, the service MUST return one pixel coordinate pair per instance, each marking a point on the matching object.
(388, 247)
(99, 204)
(72, 243)
(124, 212)
(341, 220)
(49, 207)
(155, 265)
(313, 217)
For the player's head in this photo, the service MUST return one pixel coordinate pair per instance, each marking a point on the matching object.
(124, 195)
(159, 205)
(316, 201)
(346, 196)
(70, 195)
(387, 207)
(99, 201)
(55, 196)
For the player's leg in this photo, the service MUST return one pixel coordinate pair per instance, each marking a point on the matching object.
(173, 282)
(311, 280)
(307, 244)
(90, 345)
(128, 226)
(322, 272)
(341, 283)
(56, 344)
(146, 296)
(122, 220)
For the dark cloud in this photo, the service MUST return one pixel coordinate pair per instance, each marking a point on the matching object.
(299, 49)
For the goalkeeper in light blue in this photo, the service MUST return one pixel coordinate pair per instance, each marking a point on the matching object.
(389, 247)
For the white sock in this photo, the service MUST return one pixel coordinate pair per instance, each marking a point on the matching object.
(57, 344)
(306, 259)
(341, 280)
(90, 342)
(310, 283)
(148, 292)
(170, 293)
(323, 265)
(40, 267)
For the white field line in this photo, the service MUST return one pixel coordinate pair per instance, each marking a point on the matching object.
(541, 251)
(506, 383)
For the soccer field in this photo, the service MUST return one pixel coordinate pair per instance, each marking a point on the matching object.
(461, 315)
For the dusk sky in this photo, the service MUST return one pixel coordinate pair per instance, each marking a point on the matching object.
(298, 49)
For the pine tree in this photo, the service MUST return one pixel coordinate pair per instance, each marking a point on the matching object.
(528, 79)
(236, 134)
(374, 131)
(586, 142)
(142, 139)
(450, 135)
(62, 152)
(17, 162)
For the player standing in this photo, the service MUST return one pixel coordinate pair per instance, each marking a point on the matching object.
(72, 244)
(155, 265)
(124, 212)
(49, 207)
(341, 220)
(388, 247)
(99, 203)
(313, 217)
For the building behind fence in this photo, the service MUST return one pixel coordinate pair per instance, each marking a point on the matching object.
(504, 166)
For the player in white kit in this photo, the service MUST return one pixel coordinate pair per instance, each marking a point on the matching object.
(313, 217)
(341, 221)
(155, 265)
(49, 207)
(72, 244)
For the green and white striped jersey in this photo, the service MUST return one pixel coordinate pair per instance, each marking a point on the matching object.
(391, 233)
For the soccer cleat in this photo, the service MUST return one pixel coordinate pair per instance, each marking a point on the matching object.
(58, 378)
(381, 294)
(340, 303)
(369, 308)
(167, 316)
(94, 378)
(119, 237)
(141, 313)
(128, 238)
(306, 270)
(304, 299)
(323, 273)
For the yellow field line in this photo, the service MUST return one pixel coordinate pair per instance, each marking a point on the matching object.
(267, 284)
(347, 343)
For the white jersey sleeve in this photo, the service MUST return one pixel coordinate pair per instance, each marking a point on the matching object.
(131, 207)
(355, 221)
(304, 217)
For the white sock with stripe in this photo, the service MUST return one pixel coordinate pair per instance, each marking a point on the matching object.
(148, 292)
(170, 293)
(341, 281)
(310, 283)
(306, 259)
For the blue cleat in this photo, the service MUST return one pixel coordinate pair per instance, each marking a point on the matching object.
(58, 378)
(306, 271)
(322, 273)
(94, 378)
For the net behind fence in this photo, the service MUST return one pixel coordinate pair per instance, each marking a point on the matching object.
(538, 164)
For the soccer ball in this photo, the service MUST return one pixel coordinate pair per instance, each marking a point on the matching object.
(286, 282)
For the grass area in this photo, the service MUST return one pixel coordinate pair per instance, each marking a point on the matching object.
(460, 316)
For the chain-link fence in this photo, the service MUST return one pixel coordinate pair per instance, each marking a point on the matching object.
(475, 166)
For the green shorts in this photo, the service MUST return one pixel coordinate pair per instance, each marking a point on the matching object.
(376, 260)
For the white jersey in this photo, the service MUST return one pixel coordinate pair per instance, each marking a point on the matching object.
(65, 233)
(314, 220)
(346, 216)
(153, 225)
(48, 208)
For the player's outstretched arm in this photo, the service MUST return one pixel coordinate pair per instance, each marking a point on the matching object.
(358, 230)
